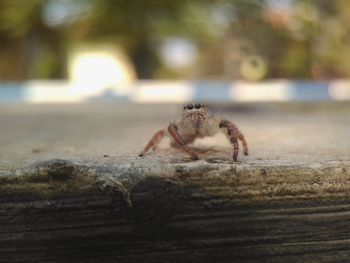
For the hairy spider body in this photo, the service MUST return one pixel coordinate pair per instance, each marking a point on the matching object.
(197, 122)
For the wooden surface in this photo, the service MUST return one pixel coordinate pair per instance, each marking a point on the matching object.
(67, 212)
(72, 188)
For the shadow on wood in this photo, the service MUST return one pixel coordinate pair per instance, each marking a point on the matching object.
(169, 222)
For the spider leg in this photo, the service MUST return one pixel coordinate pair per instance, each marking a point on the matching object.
(172, 128)
(157, 137)
(234, 142)
(233, 133)
(243, 140)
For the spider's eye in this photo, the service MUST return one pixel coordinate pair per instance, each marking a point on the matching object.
(190, 106)
(197, 106)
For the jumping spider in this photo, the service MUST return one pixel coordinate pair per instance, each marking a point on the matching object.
(197, 122)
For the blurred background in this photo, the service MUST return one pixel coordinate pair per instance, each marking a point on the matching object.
(91, 78)
(174, 50)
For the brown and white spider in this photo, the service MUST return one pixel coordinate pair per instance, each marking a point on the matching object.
(197, 122)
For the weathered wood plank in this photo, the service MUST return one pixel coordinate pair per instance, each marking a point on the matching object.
(101, 214)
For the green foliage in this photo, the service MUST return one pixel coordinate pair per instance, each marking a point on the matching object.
(17, 17)
(312, 41)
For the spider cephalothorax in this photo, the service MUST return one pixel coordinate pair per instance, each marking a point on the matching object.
(197, 114)
(197, 122)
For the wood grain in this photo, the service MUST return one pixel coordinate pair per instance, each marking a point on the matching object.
(163, 219)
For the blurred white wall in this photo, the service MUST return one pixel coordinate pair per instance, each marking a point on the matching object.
(94, 69)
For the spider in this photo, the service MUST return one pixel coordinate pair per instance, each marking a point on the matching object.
(197, 122)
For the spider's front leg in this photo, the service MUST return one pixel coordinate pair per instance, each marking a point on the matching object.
(172, 128)
(233, 133)
(157, 137)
